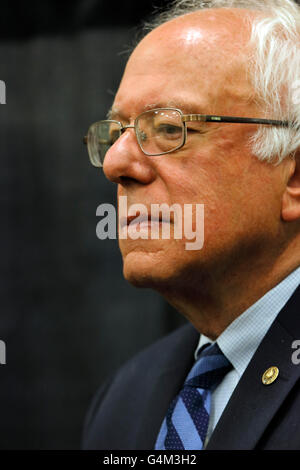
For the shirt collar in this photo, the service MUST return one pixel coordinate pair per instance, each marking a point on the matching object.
(242, 337)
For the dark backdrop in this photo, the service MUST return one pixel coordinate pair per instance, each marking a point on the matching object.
(67, 315)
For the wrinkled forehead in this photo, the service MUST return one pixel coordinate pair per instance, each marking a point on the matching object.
(199, 54)
(206, 34)
(227, 28)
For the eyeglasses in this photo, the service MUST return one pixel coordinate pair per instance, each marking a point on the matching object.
(158, 131)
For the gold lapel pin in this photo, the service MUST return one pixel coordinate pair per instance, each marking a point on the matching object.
(270, 375)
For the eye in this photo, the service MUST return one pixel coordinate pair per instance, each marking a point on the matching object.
(169, 131)
(143, 136)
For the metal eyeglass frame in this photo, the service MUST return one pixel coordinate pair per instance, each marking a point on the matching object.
(192, 118)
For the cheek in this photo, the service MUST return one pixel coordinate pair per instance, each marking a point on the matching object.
(194, 181)
(230, 182)
(215, 218)
(197, 180)
(188, 177)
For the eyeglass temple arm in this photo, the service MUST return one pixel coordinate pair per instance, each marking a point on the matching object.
(241, 120)
(213, 118)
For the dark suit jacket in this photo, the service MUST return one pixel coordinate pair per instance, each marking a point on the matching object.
(129, 408)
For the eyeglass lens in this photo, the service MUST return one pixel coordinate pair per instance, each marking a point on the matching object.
(158, 131)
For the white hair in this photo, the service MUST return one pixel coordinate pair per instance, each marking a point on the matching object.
(274, 69)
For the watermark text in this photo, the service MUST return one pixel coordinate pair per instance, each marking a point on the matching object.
(160, 222)
(2, 92)
(2, 352)
(296, 353)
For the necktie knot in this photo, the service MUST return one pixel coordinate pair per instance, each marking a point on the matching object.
(209, 369)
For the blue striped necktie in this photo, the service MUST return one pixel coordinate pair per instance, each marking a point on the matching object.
(185, 425)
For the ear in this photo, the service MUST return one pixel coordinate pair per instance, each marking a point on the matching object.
(291, 198)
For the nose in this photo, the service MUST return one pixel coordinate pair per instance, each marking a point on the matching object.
(126, 162)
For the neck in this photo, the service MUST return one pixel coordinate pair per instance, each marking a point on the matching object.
(216, 299)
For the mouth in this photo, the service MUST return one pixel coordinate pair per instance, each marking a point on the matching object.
(142, 220)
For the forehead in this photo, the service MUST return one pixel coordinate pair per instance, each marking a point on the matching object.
(187, 66)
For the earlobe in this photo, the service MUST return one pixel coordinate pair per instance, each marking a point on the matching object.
(291, 198)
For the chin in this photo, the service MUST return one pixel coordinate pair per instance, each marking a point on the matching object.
(147, 270)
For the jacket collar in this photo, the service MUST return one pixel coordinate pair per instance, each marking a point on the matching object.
(253, 404)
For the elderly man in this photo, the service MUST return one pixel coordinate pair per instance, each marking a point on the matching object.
(207, 113)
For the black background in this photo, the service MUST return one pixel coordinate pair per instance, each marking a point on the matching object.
(67, 315)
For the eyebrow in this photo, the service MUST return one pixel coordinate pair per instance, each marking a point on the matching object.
(185, 107)
(112, 113)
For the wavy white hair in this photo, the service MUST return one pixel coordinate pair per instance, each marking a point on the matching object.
(274, 70)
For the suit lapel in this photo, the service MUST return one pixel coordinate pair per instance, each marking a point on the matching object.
(163, 383)
(253, 404)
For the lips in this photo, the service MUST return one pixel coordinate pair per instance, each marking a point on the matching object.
(139, 218)
(134, 219)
